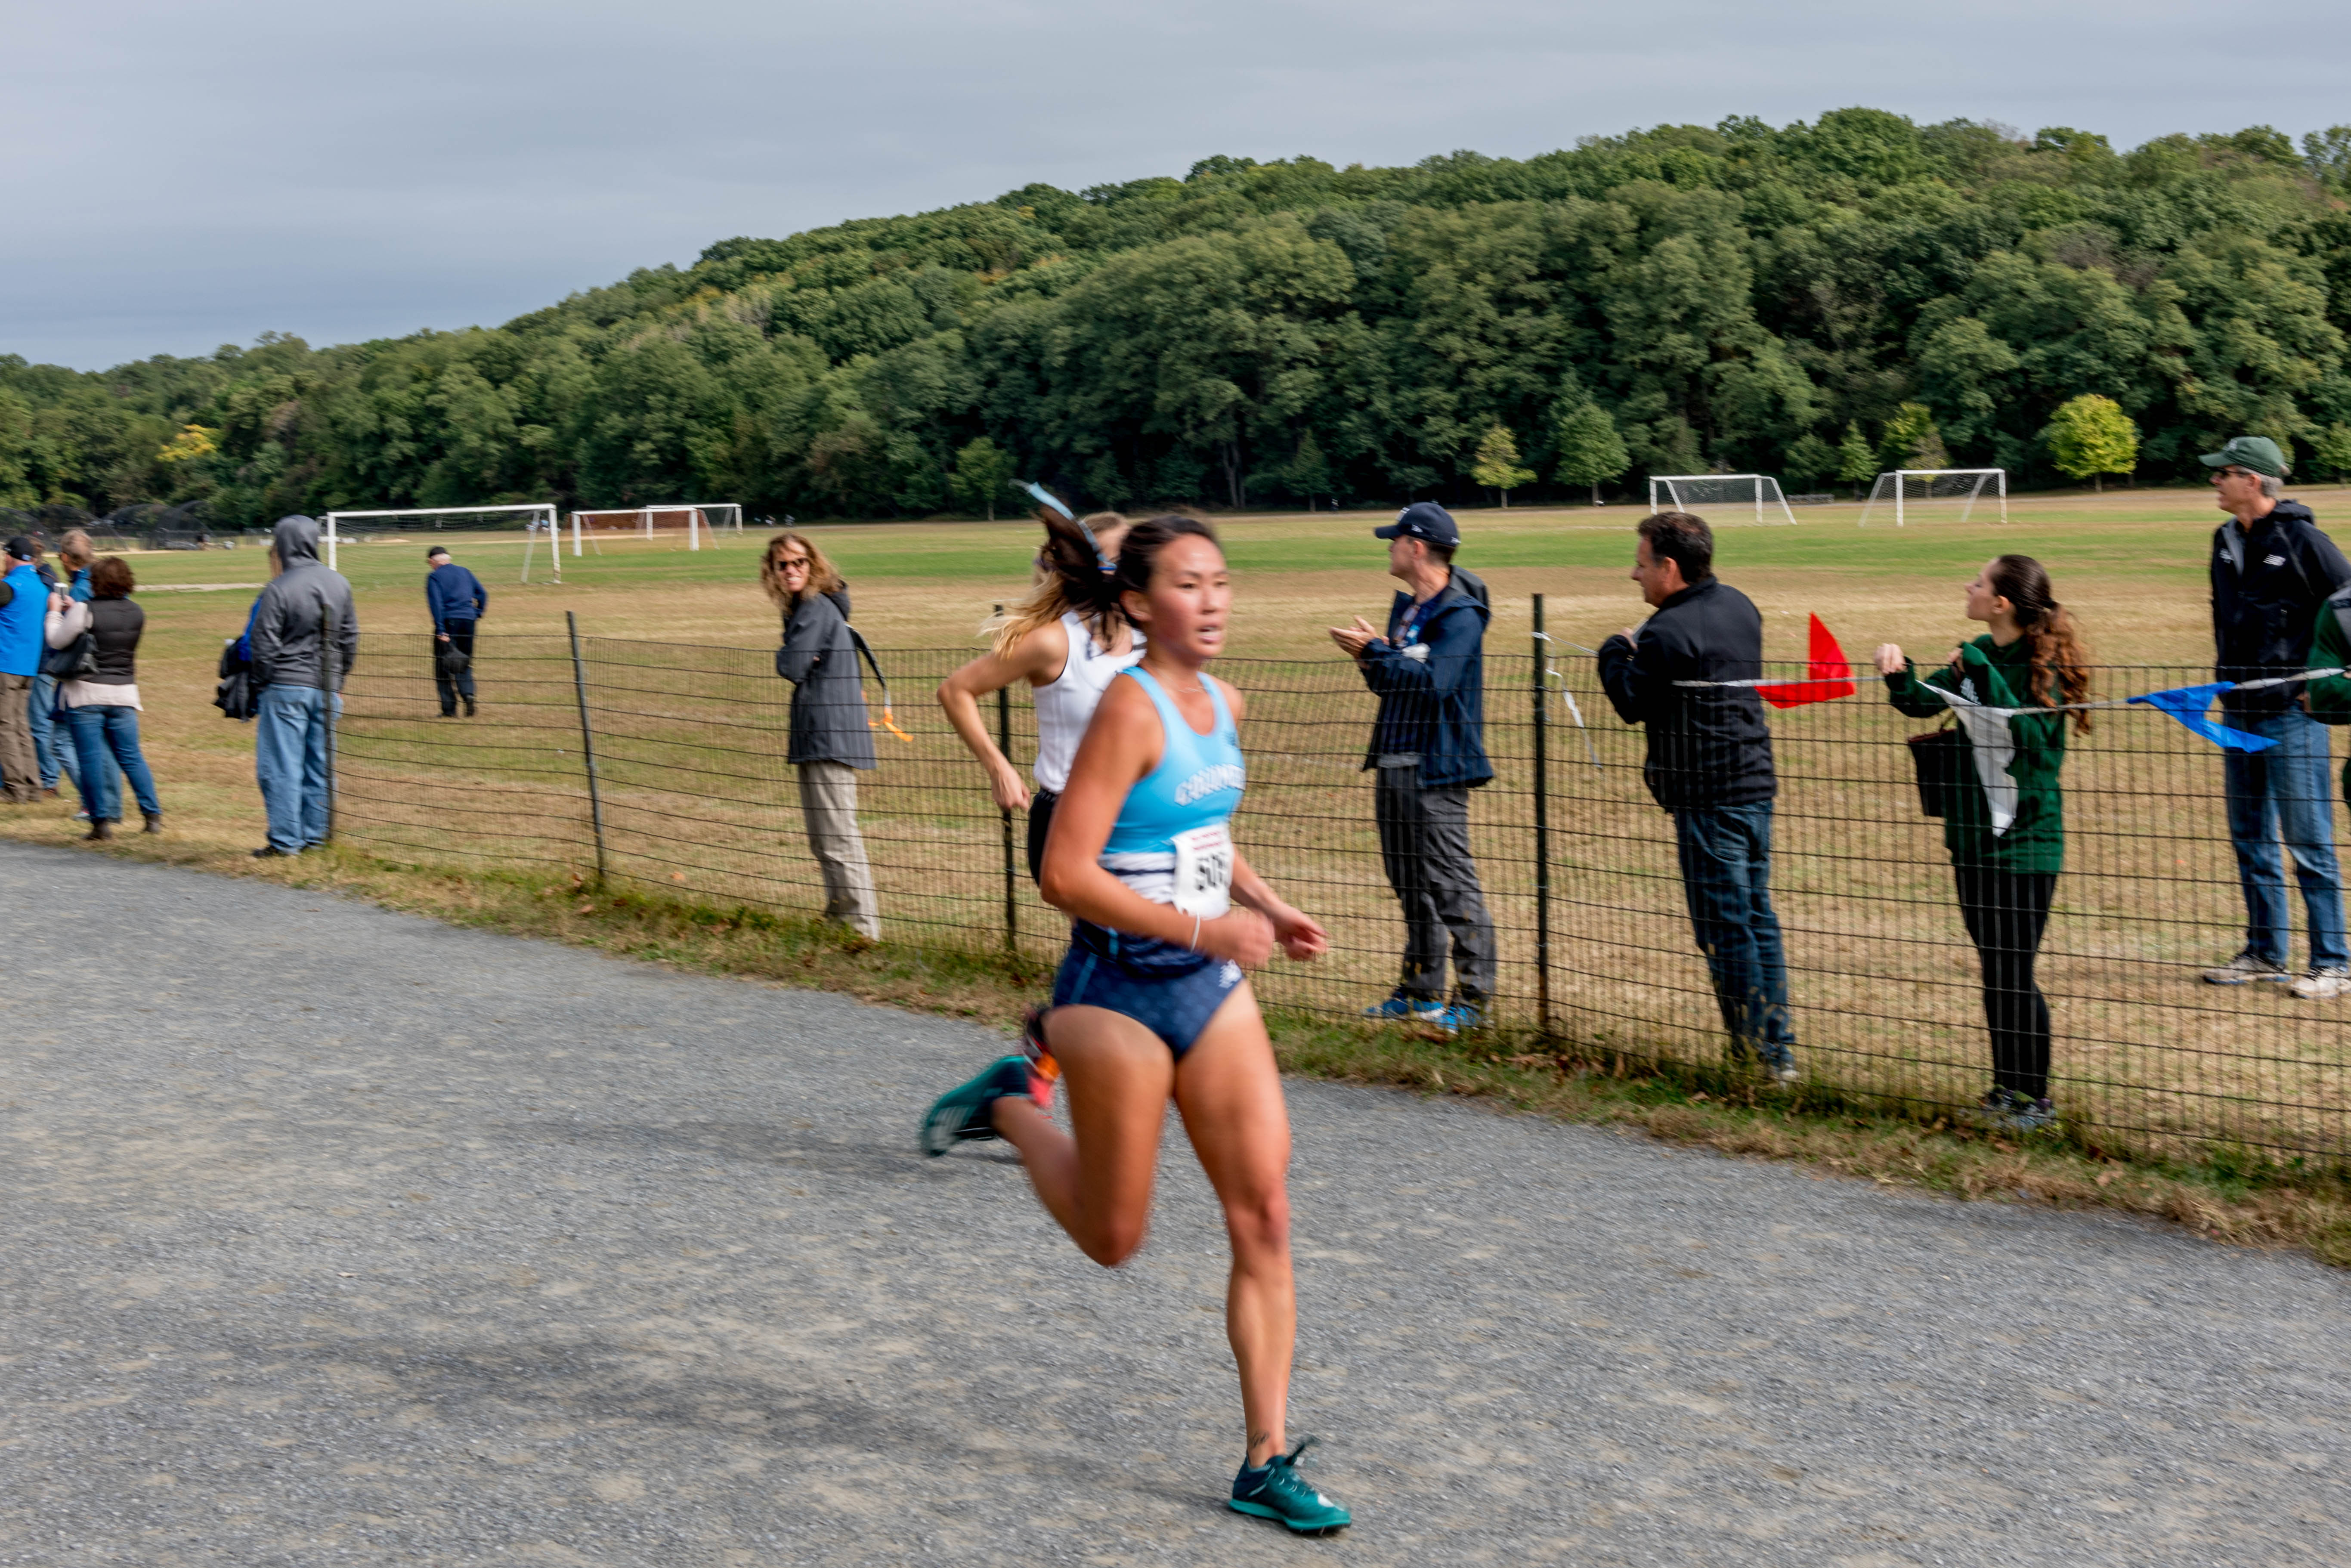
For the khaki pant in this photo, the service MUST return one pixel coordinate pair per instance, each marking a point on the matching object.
(20, 765)
(828, 802)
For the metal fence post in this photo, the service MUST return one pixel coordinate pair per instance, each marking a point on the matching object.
(326, 629)
(587, 741)
(1011, 859)
(1543, 830)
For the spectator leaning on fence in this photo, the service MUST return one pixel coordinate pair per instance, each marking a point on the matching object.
(301, 672)
(458, 601)
(832, 738)
(1709, 764)
(2272, 572)
(1428, 752)
(101, 709)
(2006, 862)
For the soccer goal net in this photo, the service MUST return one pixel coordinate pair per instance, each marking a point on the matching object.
(694, 521)
(531, 521)
(1942, 494)
(1725, 497)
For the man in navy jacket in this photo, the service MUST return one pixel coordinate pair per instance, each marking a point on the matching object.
(458, 600)
(1709, 764)
(1428, 752)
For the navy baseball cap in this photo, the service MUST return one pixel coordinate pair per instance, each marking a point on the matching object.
(21, 547)
(1422, 521)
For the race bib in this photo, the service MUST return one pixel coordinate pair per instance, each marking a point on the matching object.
(1204, 871)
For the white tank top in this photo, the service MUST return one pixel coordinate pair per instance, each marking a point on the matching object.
(1066, 703)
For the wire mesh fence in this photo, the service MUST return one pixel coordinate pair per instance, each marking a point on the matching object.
(1580, 866)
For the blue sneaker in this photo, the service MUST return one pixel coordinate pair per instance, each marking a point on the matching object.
(1275, 1490)
(961, 1115)
(1400, 1009)
(1454, 1017)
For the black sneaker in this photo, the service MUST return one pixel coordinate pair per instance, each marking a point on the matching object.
(1275, 1490)
(961, 1115)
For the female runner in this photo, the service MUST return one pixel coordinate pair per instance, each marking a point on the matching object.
(1152, 1000)
(1067, 644)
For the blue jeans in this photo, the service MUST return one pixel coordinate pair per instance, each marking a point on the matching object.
(1726, 860)
(290, 762)
(52, 757)
(105, 737)
(2286, 787)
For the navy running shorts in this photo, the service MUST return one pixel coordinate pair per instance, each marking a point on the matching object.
(1172, 991)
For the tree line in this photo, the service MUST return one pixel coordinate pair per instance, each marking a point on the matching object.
(1817, 301)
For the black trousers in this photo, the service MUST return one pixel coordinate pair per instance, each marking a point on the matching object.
(1424, 847)
(2006, 912)
(1040, 822)
(461, 637)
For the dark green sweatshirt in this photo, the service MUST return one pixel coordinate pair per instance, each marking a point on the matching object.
(2330, 648)
(1998, 677)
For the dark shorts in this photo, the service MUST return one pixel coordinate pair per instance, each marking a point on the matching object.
(1172, 991)
(1040, 822)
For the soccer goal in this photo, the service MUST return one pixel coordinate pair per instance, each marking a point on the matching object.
(531, 518)
(1722, 496)
(697, 520)
(1903, 491)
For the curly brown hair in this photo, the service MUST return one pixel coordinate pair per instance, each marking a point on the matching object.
(112, 579)
(2053, 641)
(822, 578)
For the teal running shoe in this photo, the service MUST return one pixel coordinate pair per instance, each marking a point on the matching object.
(1275, 1490)
(1454, 1016)
(961, 1115)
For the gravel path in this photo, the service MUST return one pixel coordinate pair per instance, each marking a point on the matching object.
(338, 1236)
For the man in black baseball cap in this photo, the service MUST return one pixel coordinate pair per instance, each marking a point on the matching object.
(1428, 752)
(2272, 571)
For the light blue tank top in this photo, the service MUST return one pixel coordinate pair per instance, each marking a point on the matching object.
(1198, 781)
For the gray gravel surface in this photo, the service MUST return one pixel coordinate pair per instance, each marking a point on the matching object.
(338, 1236)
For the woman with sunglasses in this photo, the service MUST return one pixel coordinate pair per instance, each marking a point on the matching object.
(1152, 1002)
(832, 738)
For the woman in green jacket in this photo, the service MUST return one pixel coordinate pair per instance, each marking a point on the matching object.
(2032, 656)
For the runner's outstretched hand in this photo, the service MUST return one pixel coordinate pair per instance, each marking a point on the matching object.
(1301, 937)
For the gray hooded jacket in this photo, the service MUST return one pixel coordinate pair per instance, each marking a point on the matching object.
(293, 612)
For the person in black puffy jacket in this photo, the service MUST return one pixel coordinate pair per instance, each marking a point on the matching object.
(1709, 764)
(101, 708)
(2272, 574)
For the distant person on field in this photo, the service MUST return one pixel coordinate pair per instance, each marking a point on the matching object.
(1428, 751)
(1066, 649)
(305, 637)
(24, 607)
(101, 710)
(458, 600)
(832, 738)
(1709, 764)
(2031, 657)
(2273, 572)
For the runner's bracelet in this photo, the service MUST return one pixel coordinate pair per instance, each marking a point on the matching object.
(1196, 933)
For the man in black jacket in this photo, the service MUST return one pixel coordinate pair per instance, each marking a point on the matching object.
(1428, 751)
(2272, 572)
(1709, 764)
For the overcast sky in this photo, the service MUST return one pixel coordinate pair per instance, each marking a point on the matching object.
(175, 176)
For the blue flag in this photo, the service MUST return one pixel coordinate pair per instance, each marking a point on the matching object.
(2188, 705)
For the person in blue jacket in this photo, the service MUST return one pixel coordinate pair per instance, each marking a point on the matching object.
(458, 601)
(23, 610)
(1428, 752)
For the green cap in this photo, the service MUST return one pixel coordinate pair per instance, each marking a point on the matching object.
(2258, 453)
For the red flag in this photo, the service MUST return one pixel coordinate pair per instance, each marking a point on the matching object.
(1828, 677)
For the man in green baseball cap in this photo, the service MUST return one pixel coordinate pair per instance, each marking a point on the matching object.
(2272, 574)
